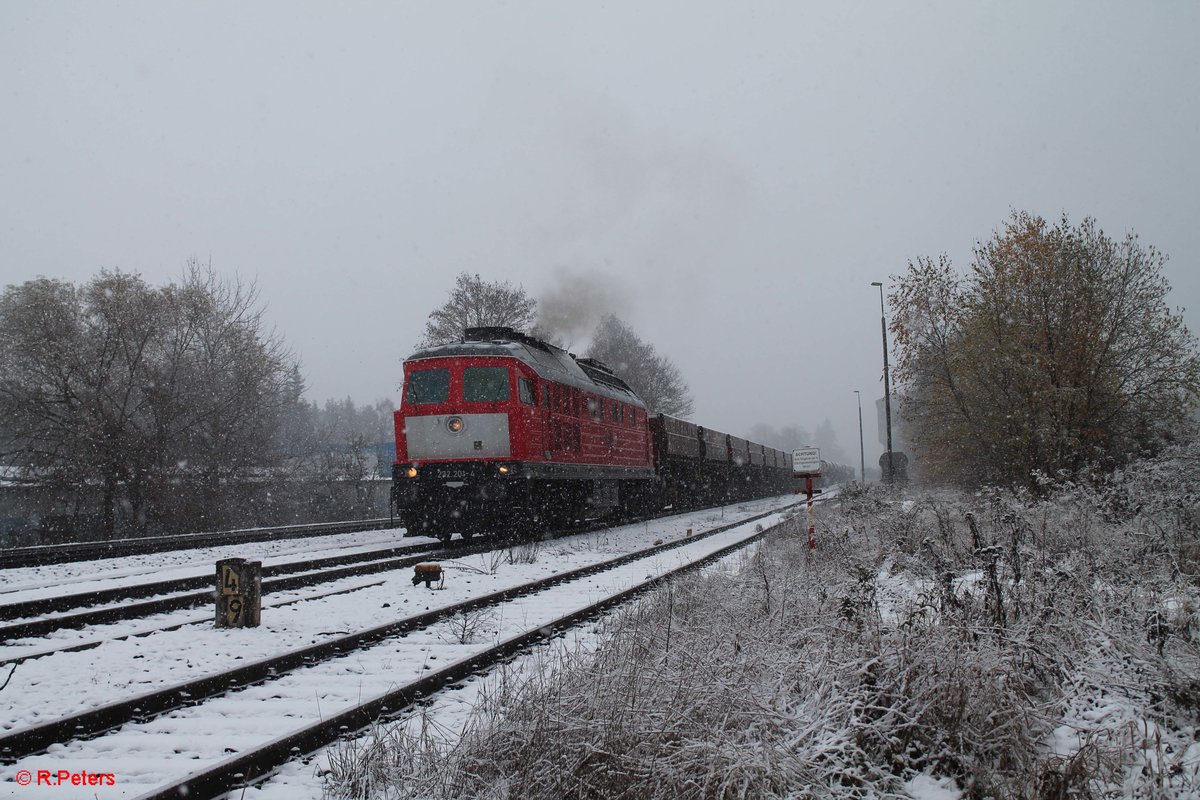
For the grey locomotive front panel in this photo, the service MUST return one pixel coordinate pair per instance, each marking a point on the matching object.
(478, 436)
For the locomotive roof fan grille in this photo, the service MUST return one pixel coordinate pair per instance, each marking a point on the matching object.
(501, 334)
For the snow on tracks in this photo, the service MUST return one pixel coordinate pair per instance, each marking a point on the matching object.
(337, 685)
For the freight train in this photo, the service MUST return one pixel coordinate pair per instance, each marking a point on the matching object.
(503, 433)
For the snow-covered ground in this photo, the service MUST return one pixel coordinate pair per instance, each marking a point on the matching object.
(936, 647)
(448, 713)
(79, 577)
(67, 683)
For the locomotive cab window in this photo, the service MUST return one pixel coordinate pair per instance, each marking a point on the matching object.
(428, 386)
(525, 389)
(485, 384)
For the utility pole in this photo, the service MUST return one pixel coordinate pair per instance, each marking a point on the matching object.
(888, 469)
(862, 458)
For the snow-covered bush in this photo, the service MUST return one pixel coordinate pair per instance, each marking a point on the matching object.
(1020, 647)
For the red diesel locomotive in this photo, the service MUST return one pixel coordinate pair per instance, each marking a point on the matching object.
(502, 432)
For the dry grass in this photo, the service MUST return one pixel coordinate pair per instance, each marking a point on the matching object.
(1025, 649)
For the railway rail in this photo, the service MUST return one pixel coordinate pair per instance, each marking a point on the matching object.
(254, 763)
(42, 555)
(43, 616)
(195, 590)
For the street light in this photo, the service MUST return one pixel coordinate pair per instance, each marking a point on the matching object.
(862, 458)
(888, 475)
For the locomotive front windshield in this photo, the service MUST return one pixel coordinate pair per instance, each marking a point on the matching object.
(485, 384)
(428, 386)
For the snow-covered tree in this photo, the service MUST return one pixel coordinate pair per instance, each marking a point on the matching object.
(655, 378)
(1057, 351)
(143, 400)
(473, 303)
(825, 437)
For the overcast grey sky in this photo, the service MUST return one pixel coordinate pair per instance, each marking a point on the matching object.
(735, 174)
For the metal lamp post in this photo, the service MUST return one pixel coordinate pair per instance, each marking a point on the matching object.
(887, 391)
(862, 458)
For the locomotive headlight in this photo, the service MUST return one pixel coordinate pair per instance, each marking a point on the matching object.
(503, 470)
(411, 472)
(454, 424)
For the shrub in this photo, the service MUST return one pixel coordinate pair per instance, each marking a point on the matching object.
(1023, 648)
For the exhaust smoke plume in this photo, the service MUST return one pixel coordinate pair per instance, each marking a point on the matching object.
(571, 308)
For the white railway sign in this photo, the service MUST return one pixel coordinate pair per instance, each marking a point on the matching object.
(806, 460)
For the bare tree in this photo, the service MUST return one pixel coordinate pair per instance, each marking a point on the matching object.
(341, 419)
(148, 403)
(1057, 352)
(764, 433)
(654, 377)
(71, 359)
(794, 436)
(791, 437)
(232, 382)
(825, 437)
(345, 445)
(475, 302)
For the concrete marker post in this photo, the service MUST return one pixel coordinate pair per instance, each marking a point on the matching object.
(239, 593)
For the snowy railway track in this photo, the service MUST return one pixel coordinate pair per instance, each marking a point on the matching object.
(523, 608)
(42, 616)
(298, 574)
(40, 555)
(109, 604)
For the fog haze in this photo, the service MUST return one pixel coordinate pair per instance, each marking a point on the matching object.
(727, 178)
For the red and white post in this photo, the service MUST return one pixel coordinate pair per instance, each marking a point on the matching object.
(806, 464)
(812, 514)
